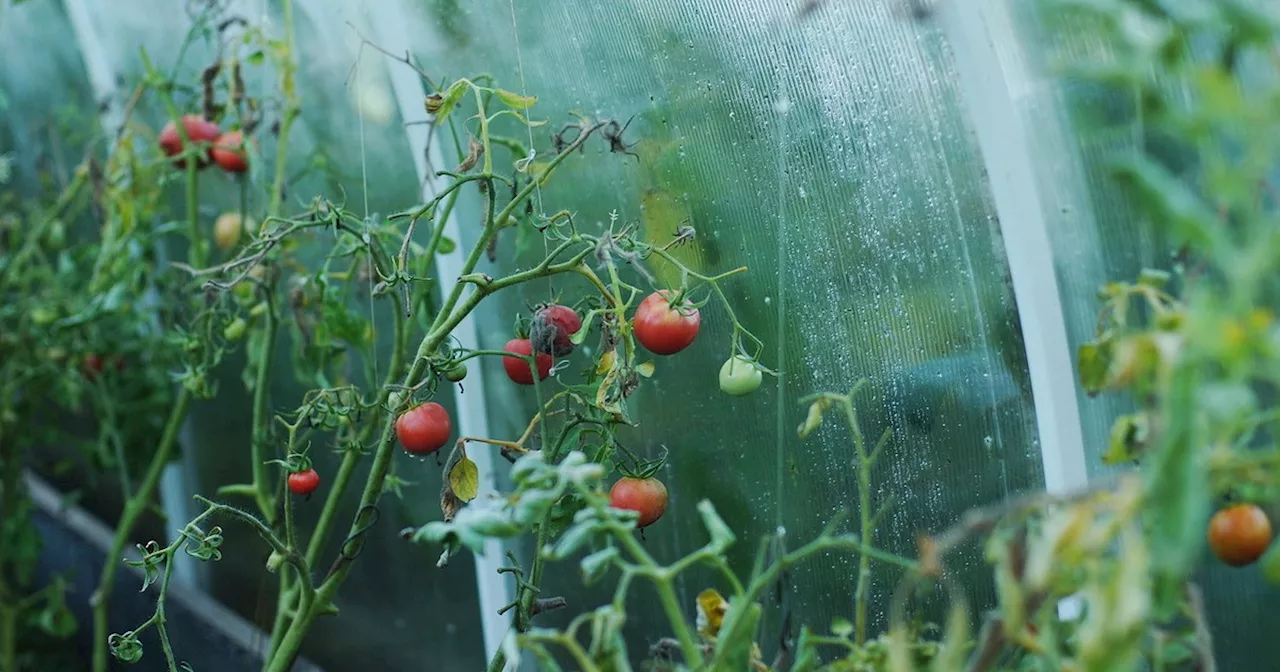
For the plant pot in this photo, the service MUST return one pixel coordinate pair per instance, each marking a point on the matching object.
(203, 632)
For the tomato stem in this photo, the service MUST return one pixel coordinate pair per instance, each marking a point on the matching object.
(133, 508)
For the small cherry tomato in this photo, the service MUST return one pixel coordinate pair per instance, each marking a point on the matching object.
(553, 325)
(645, 496)
(229, 152)
(424, 429)
(739, 376)
(227, 229)
(198, 130)
(304, 482)
(1239, 534)
(457, 372)
(92, 364)
(518, 369)
(662, 329)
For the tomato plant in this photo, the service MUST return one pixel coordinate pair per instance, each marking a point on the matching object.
(1239, 534)
(740, 376)
(424, 429)
(304, 482)
(664, 329)
(518, 369)
(198, 131)
(645, 496)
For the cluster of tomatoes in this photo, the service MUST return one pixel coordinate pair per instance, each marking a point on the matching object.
(1239, 535)
(226, 150)
(659, 327)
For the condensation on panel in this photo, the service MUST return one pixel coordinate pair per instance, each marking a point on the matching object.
(829, 154)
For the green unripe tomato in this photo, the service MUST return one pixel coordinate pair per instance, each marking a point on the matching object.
(456, 373)
(235, 330)
(740, 376)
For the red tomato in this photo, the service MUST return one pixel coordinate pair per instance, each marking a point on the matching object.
(304, 482)
(197, 129)
(92, 365)
(645, 496)
(518, 369)
(1240, 534)
(553, 324)
(664, 330)
(424, 429)
(229, 152)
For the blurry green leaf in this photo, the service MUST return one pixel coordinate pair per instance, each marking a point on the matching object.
(594, 565)
(1271, 565)
(736, 639)
(1154, 278)
(1093, 362)
(1129, 435)
(841, 627)
(516, 100)
(446, 245)
(464, 479)
(1170, 202)
(1177, 486)
(256, 58)
(721, 536)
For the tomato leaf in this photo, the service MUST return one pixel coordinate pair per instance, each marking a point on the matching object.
(449, 99)
(515, 100)
(1093, 361)
(464, 479)
(1177, 487)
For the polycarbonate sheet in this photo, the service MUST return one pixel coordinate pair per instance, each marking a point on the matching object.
(830, 154)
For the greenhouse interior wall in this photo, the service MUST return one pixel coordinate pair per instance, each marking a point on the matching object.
(911, 185)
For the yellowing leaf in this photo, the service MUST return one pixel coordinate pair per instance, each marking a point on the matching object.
(464, 479)
(712, 608)
(516, 100)
(606, 362)
(646, 369)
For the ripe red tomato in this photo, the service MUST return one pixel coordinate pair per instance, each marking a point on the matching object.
(645, 496)
(424, 429)
(518, 369)
(93, 364)
(1240, 534)
(229, 152)
(553, 324)
(304, 482)
(664, 330)
(197, 129)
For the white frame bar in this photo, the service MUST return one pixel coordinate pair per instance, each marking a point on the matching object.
(973, 30)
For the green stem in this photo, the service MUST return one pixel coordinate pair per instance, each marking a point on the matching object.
(160, 617)
(864, 516)
(262, 416)
(128, 519)
(9, 638)
(291, 109)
